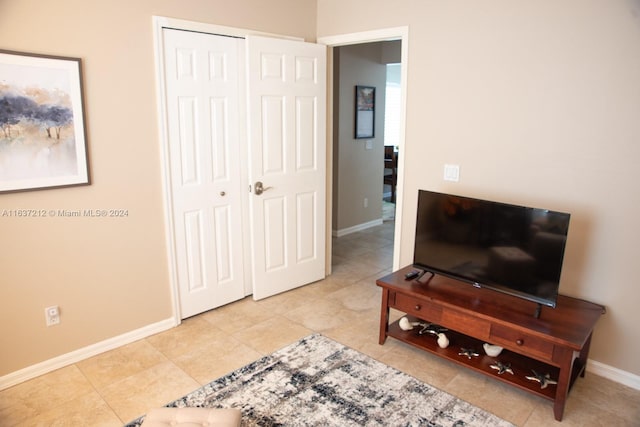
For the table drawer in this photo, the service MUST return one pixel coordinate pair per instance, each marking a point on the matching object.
(466, 323)
(521, 342)
(415, 307)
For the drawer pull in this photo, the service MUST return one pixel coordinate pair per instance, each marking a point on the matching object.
(418, 307)
(520, 341)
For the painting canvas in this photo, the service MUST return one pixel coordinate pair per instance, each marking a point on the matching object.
(365, 111)
(42, 130)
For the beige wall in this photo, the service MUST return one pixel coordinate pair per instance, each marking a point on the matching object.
(109, 275)
(358, 170)
(539, 103)
(537, 100)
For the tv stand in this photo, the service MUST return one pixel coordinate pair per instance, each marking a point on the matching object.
(557, 345)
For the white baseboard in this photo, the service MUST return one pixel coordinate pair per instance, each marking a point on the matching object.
(61, 361)
(359, 227)
(614, 374)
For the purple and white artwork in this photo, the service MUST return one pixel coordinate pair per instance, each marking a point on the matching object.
(42, 133)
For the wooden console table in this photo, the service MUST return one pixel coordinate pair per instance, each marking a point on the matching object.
(556, 343)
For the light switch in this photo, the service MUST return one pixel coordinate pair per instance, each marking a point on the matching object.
(452, 173)
(368, 145)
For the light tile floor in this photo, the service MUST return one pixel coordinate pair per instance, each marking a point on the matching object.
(118, 386)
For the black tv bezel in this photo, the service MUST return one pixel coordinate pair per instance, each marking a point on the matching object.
(491, 286)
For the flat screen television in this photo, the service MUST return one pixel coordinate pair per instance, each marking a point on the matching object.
(512, 249)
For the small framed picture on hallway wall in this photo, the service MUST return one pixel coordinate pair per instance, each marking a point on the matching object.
(365, 111)
(43, 140)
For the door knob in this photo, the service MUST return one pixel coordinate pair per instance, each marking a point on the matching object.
(222, 193)
(259, 189)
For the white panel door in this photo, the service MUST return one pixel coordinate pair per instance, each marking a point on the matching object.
(287, 143)
(202, 98)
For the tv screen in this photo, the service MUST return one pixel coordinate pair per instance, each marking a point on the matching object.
(512, 249)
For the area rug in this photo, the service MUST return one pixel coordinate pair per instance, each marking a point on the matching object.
(319, 382)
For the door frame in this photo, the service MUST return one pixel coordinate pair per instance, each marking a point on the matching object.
(159, 23)
(385, 34)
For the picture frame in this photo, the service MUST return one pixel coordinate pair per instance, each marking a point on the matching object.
(43, 138)
(365, 112)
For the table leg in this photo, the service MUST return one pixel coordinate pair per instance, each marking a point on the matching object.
(564, 382)
(384, 316)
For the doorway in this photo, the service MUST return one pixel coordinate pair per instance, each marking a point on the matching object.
(400, 35)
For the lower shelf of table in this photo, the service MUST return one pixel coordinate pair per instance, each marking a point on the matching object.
(522, 366)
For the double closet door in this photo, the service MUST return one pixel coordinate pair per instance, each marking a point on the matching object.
(246, 147)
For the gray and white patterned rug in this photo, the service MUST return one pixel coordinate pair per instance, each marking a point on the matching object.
(319, 382)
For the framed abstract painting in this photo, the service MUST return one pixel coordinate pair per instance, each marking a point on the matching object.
(43, 140)
(365, 111)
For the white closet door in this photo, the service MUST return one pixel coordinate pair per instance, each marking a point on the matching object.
(287, 144)
(202, 99)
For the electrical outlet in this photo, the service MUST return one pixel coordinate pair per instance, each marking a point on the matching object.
(52, 315)
(452, 173)
(366, 203)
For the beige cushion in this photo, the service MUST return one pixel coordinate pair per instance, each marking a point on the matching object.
(192, 417)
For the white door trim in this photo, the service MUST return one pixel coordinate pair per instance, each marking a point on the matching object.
(160, 22)
(385, 34)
